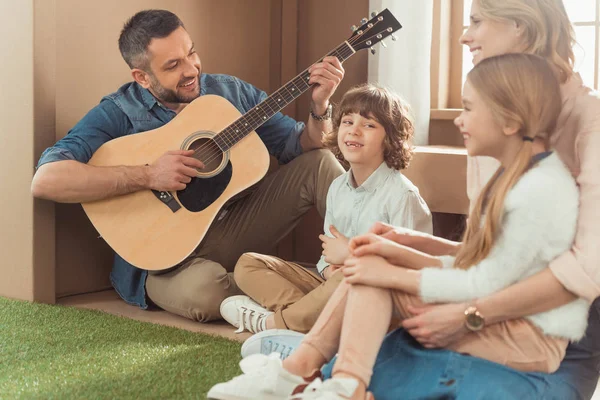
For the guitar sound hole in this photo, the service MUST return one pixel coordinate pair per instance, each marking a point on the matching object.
(202, 192)
(209, 153)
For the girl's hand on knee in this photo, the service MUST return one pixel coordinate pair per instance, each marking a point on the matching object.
(368, 270)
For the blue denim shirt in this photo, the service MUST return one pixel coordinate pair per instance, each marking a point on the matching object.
(133, 109)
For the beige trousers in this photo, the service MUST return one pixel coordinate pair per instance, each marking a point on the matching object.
(257, 222)
(296, 295)
(355, 321)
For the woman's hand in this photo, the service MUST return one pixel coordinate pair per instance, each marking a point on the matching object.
(437, 325)
(335, 249)
(369, 270)
(403, 236)
(394, 253)
(421, 241)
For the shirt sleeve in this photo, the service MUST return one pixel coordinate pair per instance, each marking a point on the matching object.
(101, 124)
(527, 230)
(579, 268)
(321, 264)
(413, 213)
(280, 134)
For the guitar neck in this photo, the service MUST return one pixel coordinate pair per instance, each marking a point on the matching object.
(260, 114)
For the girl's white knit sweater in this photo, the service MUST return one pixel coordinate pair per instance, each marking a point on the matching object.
(538, 225)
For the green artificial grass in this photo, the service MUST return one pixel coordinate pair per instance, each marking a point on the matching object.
(56, 352)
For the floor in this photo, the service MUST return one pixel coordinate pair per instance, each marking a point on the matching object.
(110, 302)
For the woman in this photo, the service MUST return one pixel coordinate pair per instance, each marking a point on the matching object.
(511, 104)
(404, 370)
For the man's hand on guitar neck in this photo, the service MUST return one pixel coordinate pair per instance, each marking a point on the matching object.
(326, 77)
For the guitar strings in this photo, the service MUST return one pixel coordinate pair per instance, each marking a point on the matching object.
(214, 151)
(217, 149)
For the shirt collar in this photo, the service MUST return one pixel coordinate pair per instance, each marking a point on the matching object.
(540, 156)
(376, 179)
(147, 98)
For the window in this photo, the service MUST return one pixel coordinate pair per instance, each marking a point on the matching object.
(585, 16)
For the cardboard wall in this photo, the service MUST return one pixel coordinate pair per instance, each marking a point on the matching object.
(17, 141)
(68, 59)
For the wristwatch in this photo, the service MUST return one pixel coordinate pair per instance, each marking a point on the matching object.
(323, 117)
(474, 321)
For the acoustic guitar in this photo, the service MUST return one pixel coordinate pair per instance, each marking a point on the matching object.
(155, 230)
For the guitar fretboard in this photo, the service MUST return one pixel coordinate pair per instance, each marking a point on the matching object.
(270, 106)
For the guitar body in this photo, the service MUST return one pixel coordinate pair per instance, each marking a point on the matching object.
(145, 231)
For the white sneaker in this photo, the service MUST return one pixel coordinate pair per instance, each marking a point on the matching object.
(263, 378)
(244, 313)
(280, 341)
(331, 389)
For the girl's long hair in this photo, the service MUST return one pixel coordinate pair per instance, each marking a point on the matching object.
(522, 89)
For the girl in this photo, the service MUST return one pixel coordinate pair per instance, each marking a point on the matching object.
(515, 229)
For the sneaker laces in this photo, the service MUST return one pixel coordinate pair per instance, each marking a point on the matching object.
(251, 319)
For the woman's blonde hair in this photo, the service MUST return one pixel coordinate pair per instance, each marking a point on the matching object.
(385, 107)
(546, 27)
(519, 89)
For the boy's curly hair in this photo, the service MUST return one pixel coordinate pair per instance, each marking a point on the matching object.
(388, 109)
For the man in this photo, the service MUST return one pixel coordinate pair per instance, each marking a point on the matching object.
(167, 76)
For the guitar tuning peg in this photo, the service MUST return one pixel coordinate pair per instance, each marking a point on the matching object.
(394, 38)
(383, 44)
(353, 28)
(373, 51)
(373, 14)
(363, 21)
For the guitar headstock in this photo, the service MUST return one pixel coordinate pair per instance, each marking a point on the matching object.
(374, 30)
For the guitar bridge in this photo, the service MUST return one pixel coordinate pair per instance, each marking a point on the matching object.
(168, 199)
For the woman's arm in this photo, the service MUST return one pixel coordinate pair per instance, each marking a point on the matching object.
(424, 242)
(394, 253)
(579, 268)
(539, 293)
(440, 325)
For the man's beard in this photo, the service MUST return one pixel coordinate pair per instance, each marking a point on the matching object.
(170, 96)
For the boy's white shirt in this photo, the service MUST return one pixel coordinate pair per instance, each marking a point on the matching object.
(539, 224)
(386, 196)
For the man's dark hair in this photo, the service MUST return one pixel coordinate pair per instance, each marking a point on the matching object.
(140, 29)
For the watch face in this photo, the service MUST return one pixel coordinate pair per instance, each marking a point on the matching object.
(474, 321)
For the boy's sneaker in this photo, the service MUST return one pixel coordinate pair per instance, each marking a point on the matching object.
(263, 378)
(244, 313)
(280, 341)
(331, 389)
